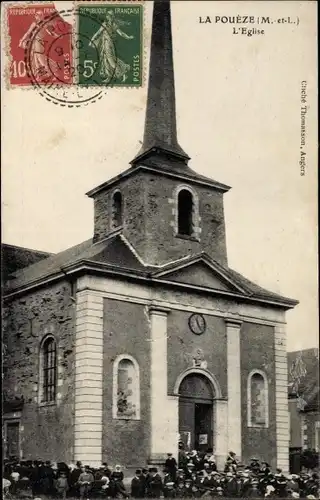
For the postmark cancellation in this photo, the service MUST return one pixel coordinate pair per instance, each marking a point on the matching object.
(91, 46)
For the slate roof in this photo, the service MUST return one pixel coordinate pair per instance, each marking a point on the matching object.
(114, 253)
(166, 167)
(170, 168)
(14, 258)
(303, 378)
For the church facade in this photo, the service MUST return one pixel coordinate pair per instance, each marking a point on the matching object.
(143, 336)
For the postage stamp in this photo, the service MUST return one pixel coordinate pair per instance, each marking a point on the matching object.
(40, 46)
(110, 44)
(73, 56)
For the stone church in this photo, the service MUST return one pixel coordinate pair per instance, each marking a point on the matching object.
(143, 336)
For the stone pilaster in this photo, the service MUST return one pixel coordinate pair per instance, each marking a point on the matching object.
(88, 378)
(234, 386)
(164, 408)
(281, 376)
(220, 426)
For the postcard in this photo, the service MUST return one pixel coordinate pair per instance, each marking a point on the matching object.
(159, 240)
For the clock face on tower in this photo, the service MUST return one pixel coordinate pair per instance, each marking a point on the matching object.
(197, 323)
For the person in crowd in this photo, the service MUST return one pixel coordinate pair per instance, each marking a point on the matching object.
(35, 478)
(182, 456)
(85, 482)
(117, 482)
(154, 484)
(105, 485)
(231, 486)
(280, 484)
(138, 485)
(62, 485)
(191, 481)
(292, 483)
(74, 477)
(253, 492)
(255, 465)
(5, 487)
(231, 462)
(265, 468)
(270, 491)
(171, 466)
(106, 470)
(14, 477)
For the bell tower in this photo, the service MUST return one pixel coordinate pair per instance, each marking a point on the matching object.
(168, 211)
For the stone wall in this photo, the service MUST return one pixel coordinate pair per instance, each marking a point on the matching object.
(257, 352)
(46, 430)
(126, 331)
(149, 210)
(183, 346)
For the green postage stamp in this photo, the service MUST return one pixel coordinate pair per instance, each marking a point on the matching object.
(110, 44)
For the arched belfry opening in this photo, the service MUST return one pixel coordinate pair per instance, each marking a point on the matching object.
(196, 397)
(185, 213)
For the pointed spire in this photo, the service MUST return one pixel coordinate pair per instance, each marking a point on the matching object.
(160, 131)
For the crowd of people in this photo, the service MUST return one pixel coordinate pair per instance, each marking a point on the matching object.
(194, 476)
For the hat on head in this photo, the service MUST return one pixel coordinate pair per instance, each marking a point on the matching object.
(229, 474)
(138, 471)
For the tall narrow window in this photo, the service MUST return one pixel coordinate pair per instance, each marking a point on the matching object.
(48, 366)
(257, 399)
(126, 392)
(116, 210)
(185, 213)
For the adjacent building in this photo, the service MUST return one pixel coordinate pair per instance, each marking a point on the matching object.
(304, 401)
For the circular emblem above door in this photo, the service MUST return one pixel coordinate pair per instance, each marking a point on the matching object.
(197, 323)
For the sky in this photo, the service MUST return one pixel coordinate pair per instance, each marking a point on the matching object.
(238, 114)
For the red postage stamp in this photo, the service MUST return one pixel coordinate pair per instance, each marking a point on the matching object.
(40, 46)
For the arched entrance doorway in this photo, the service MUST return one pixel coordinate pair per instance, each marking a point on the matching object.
(196, 397)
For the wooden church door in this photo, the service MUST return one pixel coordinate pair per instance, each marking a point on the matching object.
(195, 412)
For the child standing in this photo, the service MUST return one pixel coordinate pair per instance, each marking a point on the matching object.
(62, 485)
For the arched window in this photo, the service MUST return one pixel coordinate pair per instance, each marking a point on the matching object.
(126, 388)
(116, 210)
(48, 370)
(185, 213)
(258, 408)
